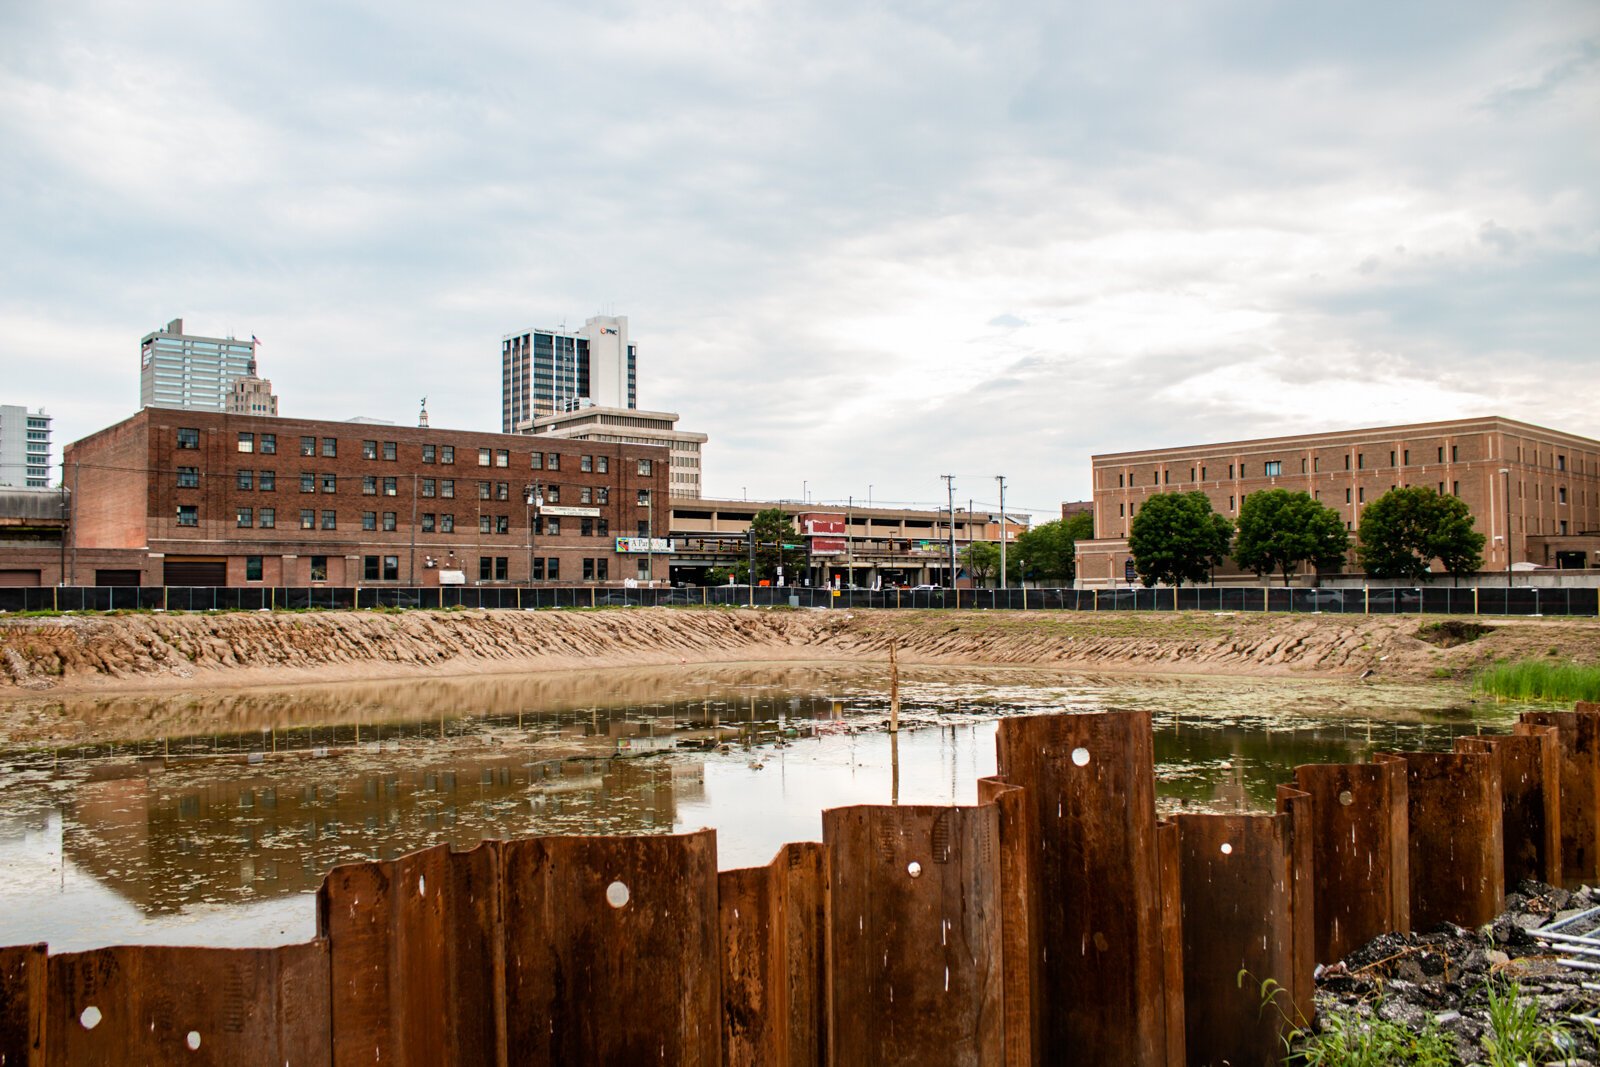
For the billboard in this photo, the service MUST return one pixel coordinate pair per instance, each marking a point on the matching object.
(645, 544)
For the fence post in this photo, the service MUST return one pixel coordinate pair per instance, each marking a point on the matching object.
(1366, 600)
(1475, 600)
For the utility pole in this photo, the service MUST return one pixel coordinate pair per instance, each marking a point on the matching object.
(750, 578)
(950, 492)
(533, 492)
(1001, 478)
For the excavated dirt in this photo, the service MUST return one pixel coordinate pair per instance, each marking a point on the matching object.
(161, 651)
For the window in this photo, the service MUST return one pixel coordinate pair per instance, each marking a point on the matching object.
(1202, 474)
(552, 569)
(485, 568)
(244, 480)
(601, 567)
(502, 491)
(552, 461)
(586, 463)
(391, 487)
(602, 495)
(269, 444)
(1347, 496)
(319, 568)
(644, 497)
(586, 527)
(369, 450)
(502, 524)
(369, 485)
(252, 568)
(1391, 457)
(308, 446)
(1122, 511)
(1455, 488)
(390, 523)
(1561, 495)
(308, 482)
(330, 483)
(645, 465)
(244, 517)
(537, 461)
(602, 464)
(330, 520)
(1273, 468)
(1563, 528)
(1119, 481)
(188, 437)
(1405, 457)
(1316, 463)
(1441, 453)
(538, 569)
(484, 522)
(1241, 470)
(447, 453)
(447, 488)
(1561, 463)
(585, 495)
(1361, 460)
(188, 477)
(485, 490)
(1230, 471)
(1303, 465)
(391, 450)
(552, 494)
(588, 569)
(552, 526)
(188, 515)
(369, 520)
(447, 523)
(644, 528)
(1455, 453)
(1361, 495)
(330, 447)
(602, 527)
(269, 518)
(502, 458)
(483, 459)
(247, 442)
(391, 568)
(429, 487)
(369, 568)
(1230, 503)
(429, 454)
(1347, 461)
(427, 522)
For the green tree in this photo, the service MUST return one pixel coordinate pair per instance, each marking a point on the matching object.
(1406, 529)
(1048, 551)
(1280, 529)
(982, 559)
(1177, 538)
(777, 544)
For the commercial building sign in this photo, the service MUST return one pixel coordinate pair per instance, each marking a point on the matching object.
(575, 513)
(827, 546)
(645, 544)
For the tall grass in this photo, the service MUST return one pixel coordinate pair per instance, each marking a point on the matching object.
(1540, 680)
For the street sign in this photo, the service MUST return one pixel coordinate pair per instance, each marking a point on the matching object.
(1128, 573)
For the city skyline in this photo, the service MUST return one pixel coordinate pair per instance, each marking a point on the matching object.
(1024, 240)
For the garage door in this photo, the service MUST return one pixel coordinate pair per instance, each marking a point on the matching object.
(195, 572)
(13, 578)
(117, 577)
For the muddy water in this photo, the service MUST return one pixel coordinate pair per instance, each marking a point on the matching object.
(211, 819)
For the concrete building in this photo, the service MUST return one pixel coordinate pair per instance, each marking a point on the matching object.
(634, 427)
(545, 372)
(1551, 512)
(24, 447)
(252, 396)
(179, 370)
(208, 498)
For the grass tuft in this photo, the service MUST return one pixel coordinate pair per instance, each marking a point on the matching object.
(1540, 680)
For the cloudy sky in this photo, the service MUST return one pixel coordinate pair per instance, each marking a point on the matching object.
(860, 244)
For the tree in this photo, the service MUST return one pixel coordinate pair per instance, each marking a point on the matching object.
(777, 544)
(982, 559)
(1177, 538)
(1279, 530)
(1406, 529)
(1049, 549)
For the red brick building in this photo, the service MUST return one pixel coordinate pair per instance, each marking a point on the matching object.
(1553, 505)
(207, 498)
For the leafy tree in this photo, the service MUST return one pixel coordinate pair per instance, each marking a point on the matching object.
(1049, 549)
(982, 559)
(1406, 529)
(1280, 529)
(777, 544)
(1177, 538)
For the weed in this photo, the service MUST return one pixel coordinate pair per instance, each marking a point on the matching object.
(1541, 681)
(1346, 1039)
(1517, 1037)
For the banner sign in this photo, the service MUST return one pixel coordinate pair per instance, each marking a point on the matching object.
(645, 544)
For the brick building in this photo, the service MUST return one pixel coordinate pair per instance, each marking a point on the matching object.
(208, 498)
(1553, 478)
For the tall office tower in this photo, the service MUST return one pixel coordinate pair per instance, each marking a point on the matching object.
(252, 396)
(177, 370)
(545, 372)
(24, 447)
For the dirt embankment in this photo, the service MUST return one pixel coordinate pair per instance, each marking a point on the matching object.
(170, 651)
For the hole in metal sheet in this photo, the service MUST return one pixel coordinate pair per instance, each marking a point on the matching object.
(1080, 756)
(1347, 798)
(914, 869)
(90, 1017)
(617, 895)
(422, 885)
(193, 1040)
(1227, 849)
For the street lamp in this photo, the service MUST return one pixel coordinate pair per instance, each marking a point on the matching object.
(650, 536)
(534, 494)
(1506, 472)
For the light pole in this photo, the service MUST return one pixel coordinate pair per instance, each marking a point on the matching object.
(1506, 472)
(1002, 480)
(650, 535)
(533, 493)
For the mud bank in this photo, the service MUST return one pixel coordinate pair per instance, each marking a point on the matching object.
(138, 652)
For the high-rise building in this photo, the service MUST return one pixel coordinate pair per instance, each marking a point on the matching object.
(252, 396)
(179, 370)
(545, 372)
(24, 447)
(630, 426)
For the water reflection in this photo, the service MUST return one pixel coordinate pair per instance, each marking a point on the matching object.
(212, 821)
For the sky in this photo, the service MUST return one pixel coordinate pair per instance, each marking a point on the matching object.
(861, 245)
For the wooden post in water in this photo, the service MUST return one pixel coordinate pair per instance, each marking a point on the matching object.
(894, 725)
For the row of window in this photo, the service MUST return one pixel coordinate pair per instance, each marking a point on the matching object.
(267, 481)
(490, 569)
(389, 522)
(1273, 468)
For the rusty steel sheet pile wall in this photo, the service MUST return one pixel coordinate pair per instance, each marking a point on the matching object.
(1096, 868)
(1059, 921)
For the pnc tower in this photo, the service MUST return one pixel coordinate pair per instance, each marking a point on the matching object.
(547, 372)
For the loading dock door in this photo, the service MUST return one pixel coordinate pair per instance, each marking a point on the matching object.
(194, 572)
(14, 578)
(117, 577)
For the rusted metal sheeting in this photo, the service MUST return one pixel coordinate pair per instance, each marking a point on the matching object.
(1300, 807)
(1090, 780)
(1531, 818)
(22, 1005)
(1580, 788)
(1019, 920)
(415, 957)
(1457, 854)
(1238, 916)
(1169, 847)
(775, 976)
(1361, 854)
(145, 1004)
(915, 935)
(612, 950)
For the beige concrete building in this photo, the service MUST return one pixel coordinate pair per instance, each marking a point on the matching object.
(630, 426)
(1541, 485)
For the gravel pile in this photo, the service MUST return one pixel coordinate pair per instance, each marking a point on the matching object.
(1444, 974)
